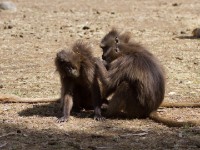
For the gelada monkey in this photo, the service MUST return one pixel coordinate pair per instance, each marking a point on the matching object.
(135, 77)
(79, 80)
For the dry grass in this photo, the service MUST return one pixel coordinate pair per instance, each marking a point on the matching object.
(39, 29)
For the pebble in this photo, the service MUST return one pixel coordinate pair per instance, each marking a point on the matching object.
(8, 6)
(86, 28)
(183, 32)
(171, 93)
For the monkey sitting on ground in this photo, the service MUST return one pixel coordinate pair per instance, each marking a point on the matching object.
(135, 77)
(79, 80)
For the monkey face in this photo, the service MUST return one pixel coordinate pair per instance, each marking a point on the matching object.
(110, 42)
(111, 54)
(110, 38)
(68, 64)
(70, 69)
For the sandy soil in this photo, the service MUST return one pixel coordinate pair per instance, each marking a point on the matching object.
(30, 38)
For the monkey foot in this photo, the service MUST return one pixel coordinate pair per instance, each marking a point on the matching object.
(99, 118)
(62, 119)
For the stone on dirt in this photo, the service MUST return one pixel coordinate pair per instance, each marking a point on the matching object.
(7, 5)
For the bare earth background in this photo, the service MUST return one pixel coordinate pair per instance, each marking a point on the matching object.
(30, 39)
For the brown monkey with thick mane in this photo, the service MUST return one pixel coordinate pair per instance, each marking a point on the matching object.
(136, 78)
(79, 80)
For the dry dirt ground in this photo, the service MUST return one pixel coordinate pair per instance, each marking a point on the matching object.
(30, 38)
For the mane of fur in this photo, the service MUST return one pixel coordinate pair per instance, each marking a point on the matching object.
(79, 53)
(138, 64)
(83, 49)
(87, 60)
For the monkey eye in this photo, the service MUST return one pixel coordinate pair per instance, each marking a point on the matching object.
(116, 40)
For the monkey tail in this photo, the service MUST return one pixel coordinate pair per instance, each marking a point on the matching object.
(171, 123)
(15, 99)
(181, 105)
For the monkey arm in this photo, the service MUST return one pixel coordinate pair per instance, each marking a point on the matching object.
(67, 107)
(97, 99)
(102, 72)
(66, 98)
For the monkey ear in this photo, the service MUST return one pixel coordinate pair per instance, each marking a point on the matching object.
(125, 37)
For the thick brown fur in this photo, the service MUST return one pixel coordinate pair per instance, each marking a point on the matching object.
(135, 77)
(79, 80)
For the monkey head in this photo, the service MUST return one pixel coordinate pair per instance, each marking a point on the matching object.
(112, 53)
(110, 42)
(68, 63)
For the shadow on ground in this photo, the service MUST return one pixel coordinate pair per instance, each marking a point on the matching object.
(19, 137)
(52, 110)
(187, 37)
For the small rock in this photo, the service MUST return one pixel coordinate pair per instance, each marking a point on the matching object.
(180, 134)
(195, 62)
(8, 6)
(97, 12)
(179, 58)
(19, 131)
(112, 13)
(175, 4)
(52, 143)
(173, 38)
(183, 32)
(8, 27)
(171, 93)
(86, 28)
(1, 86)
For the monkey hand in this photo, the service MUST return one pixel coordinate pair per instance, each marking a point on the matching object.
(99, 117)
(97, 114)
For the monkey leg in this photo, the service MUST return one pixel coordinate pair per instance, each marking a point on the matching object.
(117, 102)
(97, 100)
(171, 123)
(67, 106)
